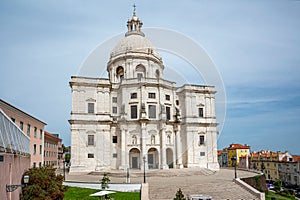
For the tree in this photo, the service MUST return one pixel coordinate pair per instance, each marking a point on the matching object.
(104, 181)
(179, 195)
(43, 184)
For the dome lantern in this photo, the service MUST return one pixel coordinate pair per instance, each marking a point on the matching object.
(134, 25)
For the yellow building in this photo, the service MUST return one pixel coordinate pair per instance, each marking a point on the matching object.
(237, 150)
(268, 162)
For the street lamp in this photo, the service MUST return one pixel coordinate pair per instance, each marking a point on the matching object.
(11, 188)
(64, 168)
(233, 159)
(144, 159)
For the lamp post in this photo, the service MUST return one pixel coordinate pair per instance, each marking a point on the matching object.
(11, 188)
(64, 168)
(144, 159)
(233, 159)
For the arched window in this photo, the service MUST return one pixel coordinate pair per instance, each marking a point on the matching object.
(134, 140)
(152, 139)
(120, 73)
(157, 73)
(140, 71)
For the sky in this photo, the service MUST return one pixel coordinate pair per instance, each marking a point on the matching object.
(255, 45)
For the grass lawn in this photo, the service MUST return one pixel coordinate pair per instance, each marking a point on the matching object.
(74, 193)
(278, 197)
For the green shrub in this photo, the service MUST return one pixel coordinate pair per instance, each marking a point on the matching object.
(43, 184)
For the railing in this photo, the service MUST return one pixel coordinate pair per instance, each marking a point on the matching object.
(12, 139)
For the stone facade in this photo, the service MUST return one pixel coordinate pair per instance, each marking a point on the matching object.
(136, 116)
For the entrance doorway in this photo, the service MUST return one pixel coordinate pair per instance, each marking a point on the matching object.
(170, 160)
(134, 158)
(153, 159)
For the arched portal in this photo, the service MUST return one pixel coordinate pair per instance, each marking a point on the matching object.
(120, 73)
(134, 158)
(153, 160)
(170, 160)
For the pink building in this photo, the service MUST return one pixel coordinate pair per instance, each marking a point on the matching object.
(33, 127)
(14, 157)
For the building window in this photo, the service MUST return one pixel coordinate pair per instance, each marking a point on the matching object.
(41, 149)
(40, 164)
(41, 134)
(202, 153)
(115, 139)
(34, 149)
(133, 112)
(168, 112)
(91, 108)
(90, 139)
(177, 102)
(151, 95)
(90, 155)
(140, 75)
(114, 99)
(35, 130)
(115, 155)
(201, 139)
(28, 129)
(133, 95)
(34, 165)
(13, 119)
(21, 125)
(169, 139)
(152, 111)
(115, 110)
(167, 97)
(200, 112)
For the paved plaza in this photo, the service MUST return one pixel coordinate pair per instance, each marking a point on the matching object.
(164, 183)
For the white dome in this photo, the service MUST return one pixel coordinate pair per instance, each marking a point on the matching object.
(135, 44)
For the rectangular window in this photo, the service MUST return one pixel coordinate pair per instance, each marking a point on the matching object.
(201, 139)
(200, 110)
(133, 112)
(90, 155)
(40, 164)
(35, 130)
(151, 95)
(34, 165)
(41, 134)
(28, 129)
(177, 102)
(168, 112)
(114, 99)
(21, 126)
(115, 155)
(115, 110)
(115, 139)
(41, 148)
(152, 111)
(34, 149)
(167, 97)
(133, 95)
(91, 139)
(202, 153)
(13, 119)
(91, 108)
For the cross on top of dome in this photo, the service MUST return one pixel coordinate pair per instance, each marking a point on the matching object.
(134, 25)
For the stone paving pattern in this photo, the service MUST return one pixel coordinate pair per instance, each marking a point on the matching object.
(164, 183)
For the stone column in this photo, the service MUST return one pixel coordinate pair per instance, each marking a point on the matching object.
(144, 145)
(163, 150)
(207, 107)
(178, 147)
(212, 104)
(123, 150)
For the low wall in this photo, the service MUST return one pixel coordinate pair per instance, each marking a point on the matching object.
(249, 188)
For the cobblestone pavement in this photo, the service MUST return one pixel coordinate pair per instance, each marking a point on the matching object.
(164, 183)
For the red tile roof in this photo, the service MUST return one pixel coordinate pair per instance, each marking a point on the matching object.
(237, 146)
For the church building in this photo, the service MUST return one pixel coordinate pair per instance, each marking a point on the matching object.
(136, 116)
